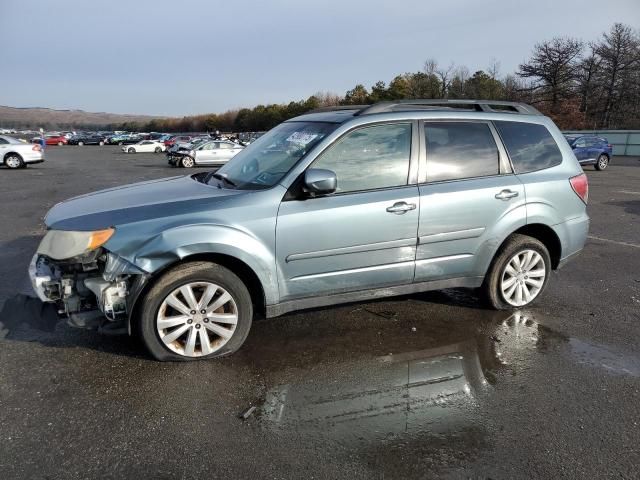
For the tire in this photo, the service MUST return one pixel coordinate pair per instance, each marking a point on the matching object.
(120, 143)
(131, 150)
(14, 161)
(498, 278)
(80, 144)
(187, 162)
(101, 143)
(158, 150)
(60, 144)
(602, 162)
(198, 278)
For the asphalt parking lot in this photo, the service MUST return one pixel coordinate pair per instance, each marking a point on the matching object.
(425, 386)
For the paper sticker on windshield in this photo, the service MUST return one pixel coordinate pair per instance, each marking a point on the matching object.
(301, 138)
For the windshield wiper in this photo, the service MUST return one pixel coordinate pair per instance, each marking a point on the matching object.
(219, 176)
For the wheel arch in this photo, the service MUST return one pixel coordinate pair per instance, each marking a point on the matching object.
(248, 276)
(544, 234)
(9, 154)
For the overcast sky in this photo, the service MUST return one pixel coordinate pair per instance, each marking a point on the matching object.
(197, 56)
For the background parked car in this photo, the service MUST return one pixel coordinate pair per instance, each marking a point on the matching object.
(123, 139)
(145, 146)
(590, 150)
(177, 139)
(209, 153)
(55, 140)
(87, 139)
(17, 154)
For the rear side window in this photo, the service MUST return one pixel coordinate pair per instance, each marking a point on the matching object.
(530, 146)
(457, 150)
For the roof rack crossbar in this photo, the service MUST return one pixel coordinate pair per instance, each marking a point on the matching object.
(478, 105)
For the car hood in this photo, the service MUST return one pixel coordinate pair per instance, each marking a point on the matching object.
(136, 202)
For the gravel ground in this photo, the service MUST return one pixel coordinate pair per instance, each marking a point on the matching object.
(424, 386)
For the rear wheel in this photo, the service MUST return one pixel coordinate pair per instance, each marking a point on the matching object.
(80, 143)
(60, 144)
(195, 311)
(518, 274)
(101, 143)
(158, 150)
(602, 162)
(13, 161)
(187, 162)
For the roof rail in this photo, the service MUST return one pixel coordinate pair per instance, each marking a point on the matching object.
(337, 108)
(446, 104)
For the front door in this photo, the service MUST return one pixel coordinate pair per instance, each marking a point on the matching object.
(364, 235)
(469, 192)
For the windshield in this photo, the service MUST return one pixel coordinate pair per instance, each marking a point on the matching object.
(266, 161)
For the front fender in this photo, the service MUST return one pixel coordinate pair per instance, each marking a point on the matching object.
(177, 243)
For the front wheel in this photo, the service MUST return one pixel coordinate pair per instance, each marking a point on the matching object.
(60, 144)
(518, 274)
(80, 143)
(101, 143)
(131, 150)
(187, 162)
(602, 162)
(198, 310)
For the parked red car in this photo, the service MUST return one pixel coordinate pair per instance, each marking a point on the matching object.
(51, 140)
(177, 138)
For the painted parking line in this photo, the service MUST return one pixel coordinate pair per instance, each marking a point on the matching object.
(626, 244)
(628, 192)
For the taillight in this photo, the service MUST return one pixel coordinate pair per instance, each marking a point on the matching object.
(36, 147)
(580, 185)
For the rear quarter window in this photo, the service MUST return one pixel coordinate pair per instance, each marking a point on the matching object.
(530, 146)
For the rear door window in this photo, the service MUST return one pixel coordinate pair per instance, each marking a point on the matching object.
(458, 150)
(530, 146)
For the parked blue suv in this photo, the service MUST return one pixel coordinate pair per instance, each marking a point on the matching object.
(590, 150)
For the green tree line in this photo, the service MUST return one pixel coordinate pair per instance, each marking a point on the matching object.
(578, 84)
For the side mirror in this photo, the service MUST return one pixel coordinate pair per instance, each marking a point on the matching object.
(318, 181)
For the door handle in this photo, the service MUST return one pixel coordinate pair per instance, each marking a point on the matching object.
(506, 195)
(401, 207)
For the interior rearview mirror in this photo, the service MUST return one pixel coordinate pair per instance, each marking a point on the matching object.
(319, 181)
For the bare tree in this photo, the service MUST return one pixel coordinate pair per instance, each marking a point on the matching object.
(619, 53)
(552, 68)
(444, 75)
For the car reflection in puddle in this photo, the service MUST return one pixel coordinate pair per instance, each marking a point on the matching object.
(409, 394)
(435, 391)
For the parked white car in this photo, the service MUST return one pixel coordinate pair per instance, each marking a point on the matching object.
(145, 146)
(17, 154)
(210, 153)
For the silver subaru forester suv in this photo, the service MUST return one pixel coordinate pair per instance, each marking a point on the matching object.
(335, 206)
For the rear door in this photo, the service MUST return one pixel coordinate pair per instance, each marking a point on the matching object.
(364, 235)
(207, 154)
(467, 190)
(581, 149)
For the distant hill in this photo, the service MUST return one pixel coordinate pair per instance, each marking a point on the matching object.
(12, 117)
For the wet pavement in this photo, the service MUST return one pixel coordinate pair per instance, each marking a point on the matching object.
(423, 386)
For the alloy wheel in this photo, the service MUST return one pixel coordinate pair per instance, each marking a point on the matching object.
(602, 162)
(12, 162)
(523, 278)
(197, 319)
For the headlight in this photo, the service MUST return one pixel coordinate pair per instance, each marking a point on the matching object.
(60, 244)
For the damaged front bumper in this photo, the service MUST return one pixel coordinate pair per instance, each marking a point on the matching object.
(91, 290)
